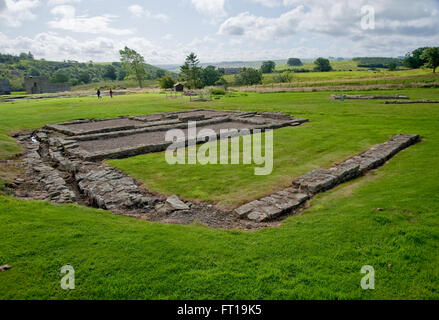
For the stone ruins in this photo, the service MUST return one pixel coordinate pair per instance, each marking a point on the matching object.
(63, 164)
(95, 140)
(411, 102)
(38, 85)
(294, 198)
(368, 96)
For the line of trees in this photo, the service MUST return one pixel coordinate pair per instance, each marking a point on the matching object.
(193, 76)
(15, 67)
(423, 57)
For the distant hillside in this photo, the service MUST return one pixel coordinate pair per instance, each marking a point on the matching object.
(15, 68)
(237, 64)
(376, 62)
(224, 64)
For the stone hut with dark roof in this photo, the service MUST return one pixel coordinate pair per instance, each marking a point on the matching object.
(178, 87)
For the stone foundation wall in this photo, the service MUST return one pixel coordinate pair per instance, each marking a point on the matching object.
(293, 199)
(56, 170)
(76, 134)
(368, 96)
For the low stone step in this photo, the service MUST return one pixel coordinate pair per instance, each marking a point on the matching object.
(319, 180)
(271, 207)
(316, 181)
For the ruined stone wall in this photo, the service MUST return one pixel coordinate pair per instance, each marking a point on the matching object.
(4, 87)
(37, 85)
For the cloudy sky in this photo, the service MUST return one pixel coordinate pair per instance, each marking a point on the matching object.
(166, 31)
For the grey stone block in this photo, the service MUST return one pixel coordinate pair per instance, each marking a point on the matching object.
(175, 203)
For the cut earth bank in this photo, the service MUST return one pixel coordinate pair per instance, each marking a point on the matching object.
(63, 164)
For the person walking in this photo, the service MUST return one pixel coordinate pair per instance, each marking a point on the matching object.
(99, 93)
(111, 93)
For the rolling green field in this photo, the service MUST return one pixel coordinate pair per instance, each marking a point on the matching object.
(350, 78)
(345, 65)
(317, 255)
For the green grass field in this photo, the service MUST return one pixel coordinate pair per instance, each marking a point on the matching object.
(317, 255)
(349, 78)
(345, 65)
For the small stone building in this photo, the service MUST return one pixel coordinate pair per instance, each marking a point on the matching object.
(5, 87)
(35, 85)
(178, 87)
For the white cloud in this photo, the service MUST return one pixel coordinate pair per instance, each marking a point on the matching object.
(262, 28)
(168, 36)
(60, 2)
(267, 3)
(58, 47)
(17, 11)
(210, 7)
(136, 10)
(339, 19)
(139, 12)
(306, 28)
(66, 19)
(51, 45)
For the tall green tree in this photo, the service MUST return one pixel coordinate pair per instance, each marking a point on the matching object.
(133, 63)
(431, 57)
(60, 76)
(248, 76)
(191, 73)
(414, 59)
(210, 76)
(322, 65)
(268, 66)
(110, 72)
(166, 82)
(121, 74)
(294, 62)
(84, 77)
(392, 66)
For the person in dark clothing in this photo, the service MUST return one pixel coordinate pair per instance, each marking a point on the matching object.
(111, 93)
(99, 93)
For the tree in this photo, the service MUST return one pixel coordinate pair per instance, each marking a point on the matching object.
(294, 62)
(110, 72)
(431, 58)
(392, 66)
(210, 76)
(60, 76)
(191, 73)
(122, 74)
(166, 82)
(248, 76)
(268, 66)
(84, 77)
(283, 77)
(159, 73)
(222, 82)
(35, 72)
(413, 60)
(133, 63)
(322, 65)
(26, 56)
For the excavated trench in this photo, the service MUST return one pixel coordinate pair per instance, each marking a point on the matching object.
(53, 173)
